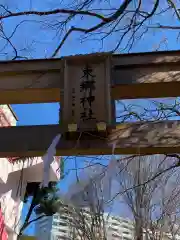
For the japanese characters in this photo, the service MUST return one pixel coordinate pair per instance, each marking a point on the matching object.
(87, 87)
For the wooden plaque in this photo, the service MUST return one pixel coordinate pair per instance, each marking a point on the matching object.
(86, 96)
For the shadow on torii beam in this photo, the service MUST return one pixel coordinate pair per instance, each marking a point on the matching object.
(137, 138)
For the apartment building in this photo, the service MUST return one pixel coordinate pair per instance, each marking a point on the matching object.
(57, 227)
(52, 228)
(116, 228)
(119, 228)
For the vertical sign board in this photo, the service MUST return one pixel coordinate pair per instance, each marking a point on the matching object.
(87, 92)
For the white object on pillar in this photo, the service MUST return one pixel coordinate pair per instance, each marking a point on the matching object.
(48, 158)
(108, 177)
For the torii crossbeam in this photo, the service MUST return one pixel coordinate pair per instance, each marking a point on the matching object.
(145, 75)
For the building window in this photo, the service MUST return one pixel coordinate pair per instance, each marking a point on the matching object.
(64, 218)
(62, 238)
(126, 221)
(56, 223)
(115, 224)
(63, 223)
(112, 229)
(116, 235)
(125, 226)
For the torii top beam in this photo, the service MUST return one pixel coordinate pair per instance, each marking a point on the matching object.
(132, 76)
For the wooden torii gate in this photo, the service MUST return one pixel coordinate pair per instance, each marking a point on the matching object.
(86, 86)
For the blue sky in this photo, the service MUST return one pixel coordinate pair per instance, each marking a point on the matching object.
(42, 43)
(36, 40)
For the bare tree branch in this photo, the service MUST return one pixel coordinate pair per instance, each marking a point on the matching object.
(55, 11)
